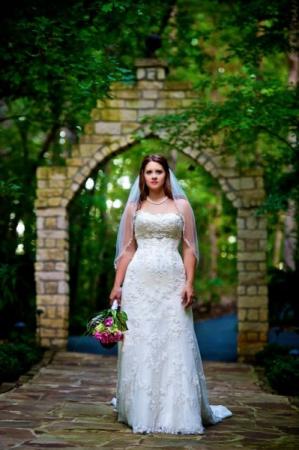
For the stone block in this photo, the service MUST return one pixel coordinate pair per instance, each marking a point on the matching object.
(129, 127)
(252, 290)
(263, 336)
(234, 183)
(246, 183)
(252, 326)
(252, 244)
(57, 299)
(230, 195)
(262, 266)
(50, 312)
(249, 278)
(50, 223)
(61, 266)
(127, 94)
(63, 287)
(51, 276)
(40, 223)
(251, 266)
(140, 104)
(57, 184)
(242, 313)
(263, 290)
(89, 128)
(62, 311)
(54, 201)
(42, 173)
(51, 254)
(110, 115)
(251, 223)
(253, 314)
(252, 336)
(251, 256)
(149, 85)
(52, 323)
(62, 222)
(241, 290)
(51, 287)
(47, 332)
(240, 265)
(46, 342)
(114, 103)
(178, 86)
(161, 75)
(49, 243)
(40, 286)
(240, 223)
(241, 245)
(141, 73)
(252, 234)
(95, 114)
(176, 94)
(48, 212)
(49, 265)
(42, 184)
(58, 342)
(263, 314)
(143, 113)
(151, 94)
(109, 128)
(87, 150)
(263, 244)
(258, 301)
(169, 103)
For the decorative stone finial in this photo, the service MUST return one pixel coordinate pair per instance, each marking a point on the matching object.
(151, 69)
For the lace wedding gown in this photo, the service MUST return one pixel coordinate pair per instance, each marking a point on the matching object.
(161, 384)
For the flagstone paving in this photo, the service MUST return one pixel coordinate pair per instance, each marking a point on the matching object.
(65, 405)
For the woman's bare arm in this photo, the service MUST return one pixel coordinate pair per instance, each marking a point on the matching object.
(121, 272)
(189, 260)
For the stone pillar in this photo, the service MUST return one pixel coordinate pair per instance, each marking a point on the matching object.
(252, 288)
(51, 265)
(151, 69)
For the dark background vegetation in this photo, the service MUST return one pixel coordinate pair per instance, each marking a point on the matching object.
(58, 58)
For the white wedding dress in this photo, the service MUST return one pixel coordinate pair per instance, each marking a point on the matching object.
(161, 385)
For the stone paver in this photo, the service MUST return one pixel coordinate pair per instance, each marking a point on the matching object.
(65, 405)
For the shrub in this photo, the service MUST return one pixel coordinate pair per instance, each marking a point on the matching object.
(283, 375)
(17, 358)
(9, 367)
(269, 353)
(281, 368)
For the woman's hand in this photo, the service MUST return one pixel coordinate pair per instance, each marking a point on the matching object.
(115, 294)
(188, 295)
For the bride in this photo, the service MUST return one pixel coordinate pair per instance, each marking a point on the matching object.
(161, 385)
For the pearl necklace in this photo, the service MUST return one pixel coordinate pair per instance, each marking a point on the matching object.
(157, 203)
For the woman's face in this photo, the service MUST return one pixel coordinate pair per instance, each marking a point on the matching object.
(154, 175)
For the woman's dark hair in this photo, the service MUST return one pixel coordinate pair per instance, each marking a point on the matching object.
(144, 191)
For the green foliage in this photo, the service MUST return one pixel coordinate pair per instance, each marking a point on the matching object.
(281, 369)
(58, 58)
(269, 353)
(283, 375)
(283, 297)
(17, 357)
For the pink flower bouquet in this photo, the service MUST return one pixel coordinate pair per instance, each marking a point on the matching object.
(108, 326)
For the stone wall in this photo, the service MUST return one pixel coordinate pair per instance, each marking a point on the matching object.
(110, 130)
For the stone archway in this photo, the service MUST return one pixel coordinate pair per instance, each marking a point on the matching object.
(112, 123)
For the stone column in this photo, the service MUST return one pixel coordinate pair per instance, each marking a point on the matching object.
(252, 289)
(51, 266)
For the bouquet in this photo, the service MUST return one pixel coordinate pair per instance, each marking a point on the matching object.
(108, 326)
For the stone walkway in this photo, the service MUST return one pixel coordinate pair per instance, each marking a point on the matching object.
(65, 406)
